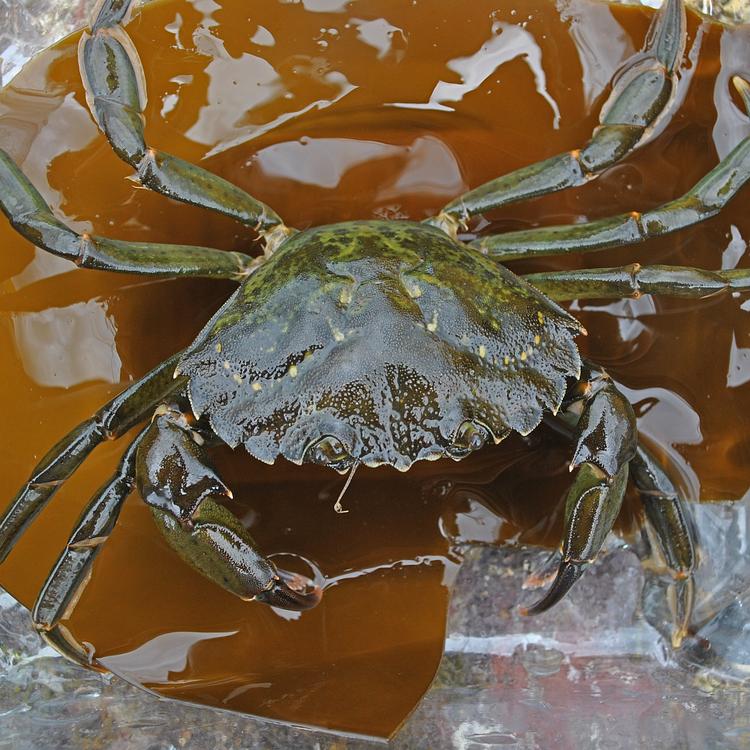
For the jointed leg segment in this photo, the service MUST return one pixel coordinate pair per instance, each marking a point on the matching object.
(176, 480)
(168, 463)
(605, 442)
(71, 572)
(115, 88)
(114, 419)
(669, 520)
(607, 425)
(639, 97)
(704, 200)
(32, 217)
(634, 280)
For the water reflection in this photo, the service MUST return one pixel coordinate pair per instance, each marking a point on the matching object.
(600, 42)
(315, 159)
(382, 36)
(159, 659)
(507, 42)
(65, 347)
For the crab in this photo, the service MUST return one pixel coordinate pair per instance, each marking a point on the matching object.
(368, 343)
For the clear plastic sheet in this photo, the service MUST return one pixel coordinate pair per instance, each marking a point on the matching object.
(594, 673)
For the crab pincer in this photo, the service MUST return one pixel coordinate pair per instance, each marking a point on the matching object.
(371, 342)
(178, 483)
(606, 441)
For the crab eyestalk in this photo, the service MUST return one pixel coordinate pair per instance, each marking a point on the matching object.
(470, 437)
(330, 451)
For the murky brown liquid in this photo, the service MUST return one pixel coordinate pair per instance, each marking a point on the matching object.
(328, 112)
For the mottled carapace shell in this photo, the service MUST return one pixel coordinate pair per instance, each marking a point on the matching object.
(386, 335)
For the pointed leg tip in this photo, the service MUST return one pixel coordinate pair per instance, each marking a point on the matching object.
(61, 639)
(678, 636)
(743, 89)
(681, 598)
(568, 573)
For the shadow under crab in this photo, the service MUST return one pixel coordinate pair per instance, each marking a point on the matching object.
(344, 430)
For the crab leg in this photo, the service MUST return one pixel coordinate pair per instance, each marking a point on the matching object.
(112, 421)
(32, 217)
(68, 578)
(703, 201)
(183, 491)
(669, 519)
(606, 439)
(638, 99)
(635, 280)
(115, 89)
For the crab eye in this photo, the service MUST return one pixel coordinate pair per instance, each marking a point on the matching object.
(470, 436)
(329, 451)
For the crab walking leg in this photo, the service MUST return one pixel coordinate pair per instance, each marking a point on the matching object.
(112, 421)
(635, 280)
(669, 519)
(115, 89)
(639, 97)
(70, 575)
(183, 491)
(606, 439)
(31, 217)
(702, 202)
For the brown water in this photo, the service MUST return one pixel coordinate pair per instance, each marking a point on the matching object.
(328, 112)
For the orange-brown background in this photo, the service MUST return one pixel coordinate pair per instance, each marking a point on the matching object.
(289, 102)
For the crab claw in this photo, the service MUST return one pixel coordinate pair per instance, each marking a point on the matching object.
(591, 508)
(567, 574)
(291, 591)
(184, 492)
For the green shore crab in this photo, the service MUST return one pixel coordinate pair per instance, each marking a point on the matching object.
(368, 342)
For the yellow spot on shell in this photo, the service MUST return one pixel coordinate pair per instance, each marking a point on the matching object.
(346, 296)
(227, 364)
(237, 379)
(482, 351)
(218, 347)
(540, 316)
(523, 356)
(506, 361)
(414, 291)
(537, 340)
(293, 371)
(257, 386)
